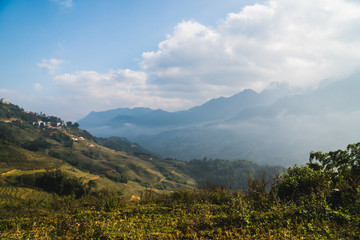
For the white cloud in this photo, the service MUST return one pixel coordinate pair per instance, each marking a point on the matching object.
(52, 65)
(64, 3)
(299, 43)
(112, 83)
(115, 88)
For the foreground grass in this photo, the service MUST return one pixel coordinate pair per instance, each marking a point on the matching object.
(201, 214)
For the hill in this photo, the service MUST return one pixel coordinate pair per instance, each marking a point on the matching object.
(33, 145)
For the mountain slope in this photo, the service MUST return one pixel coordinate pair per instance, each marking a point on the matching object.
(131, 122)
(28, 146)
(281, 133)
(33, 146)
(271, 127)
(338, 96)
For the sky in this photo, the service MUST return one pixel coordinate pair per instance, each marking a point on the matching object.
(70, 57)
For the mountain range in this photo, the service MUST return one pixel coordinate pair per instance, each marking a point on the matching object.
(274, 126)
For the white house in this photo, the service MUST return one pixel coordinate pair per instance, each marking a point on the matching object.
(4, 101)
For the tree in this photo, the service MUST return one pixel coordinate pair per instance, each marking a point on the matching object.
(60, 183)
(341, 161)
(334, 175)
(344, 168)
(37, 144)
(302, 182)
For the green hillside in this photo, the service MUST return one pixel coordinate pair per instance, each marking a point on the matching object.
(32, 143)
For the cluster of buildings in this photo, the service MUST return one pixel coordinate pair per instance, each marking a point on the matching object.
(59, 125)
(49, 125)
(76, 139)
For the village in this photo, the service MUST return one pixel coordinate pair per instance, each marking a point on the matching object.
(47, 123)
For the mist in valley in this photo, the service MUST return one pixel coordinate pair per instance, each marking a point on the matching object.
(275, 126)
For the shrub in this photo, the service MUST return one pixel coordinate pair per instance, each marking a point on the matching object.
(117, 177)
(37, 144)
(257, 193)
(60, 183)
(54, 181)
(302, 182)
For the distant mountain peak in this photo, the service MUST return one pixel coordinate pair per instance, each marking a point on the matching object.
(248, 90)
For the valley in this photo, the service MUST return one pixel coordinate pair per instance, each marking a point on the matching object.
(64, 183)
(276, 126)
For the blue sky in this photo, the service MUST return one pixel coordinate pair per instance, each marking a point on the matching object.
(70, 57)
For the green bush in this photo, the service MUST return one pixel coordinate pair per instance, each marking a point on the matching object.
(91, 153)
(54, 181)
(302, 182)
(117, 177)
(37, 144)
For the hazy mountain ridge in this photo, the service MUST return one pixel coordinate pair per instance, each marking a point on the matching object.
(268, 127)
(214, 110)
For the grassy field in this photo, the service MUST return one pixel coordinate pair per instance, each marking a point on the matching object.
(200, 214)
(11, 194)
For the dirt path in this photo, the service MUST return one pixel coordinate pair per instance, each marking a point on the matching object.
(93, 178)
(163, 179)
(9, 172)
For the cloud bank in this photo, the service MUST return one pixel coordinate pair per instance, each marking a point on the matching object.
(299, 43)
(113, 88)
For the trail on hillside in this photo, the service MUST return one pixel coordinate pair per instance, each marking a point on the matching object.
(9, 172)
(93, 178)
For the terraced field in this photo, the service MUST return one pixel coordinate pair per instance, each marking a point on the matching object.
(9, 194)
